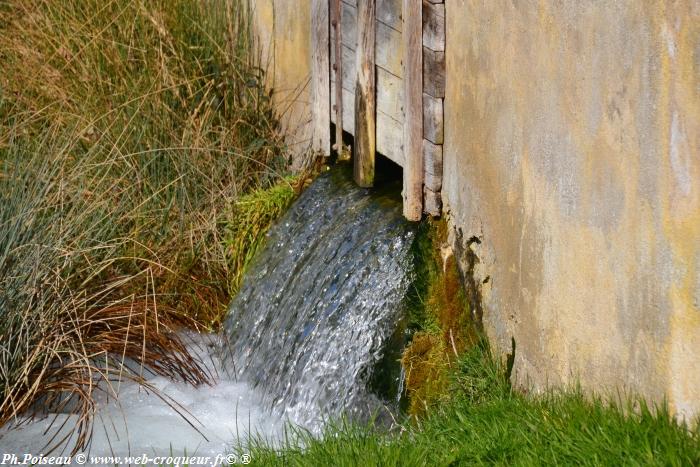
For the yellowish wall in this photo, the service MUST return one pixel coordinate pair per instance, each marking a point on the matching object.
(572, 151)
(282, 30)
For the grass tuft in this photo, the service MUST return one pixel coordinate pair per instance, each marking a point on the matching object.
(250, 219)
(128, 131)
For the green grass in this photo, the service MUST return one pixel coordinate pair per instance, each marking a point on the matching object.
(129, 133)
(486, 423)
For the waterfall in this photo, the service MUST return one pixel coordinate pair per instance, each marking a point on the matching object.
(320, 304)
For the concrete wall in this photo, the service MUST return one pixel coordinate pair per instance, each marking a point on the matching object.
(572, 153)
(282, 30)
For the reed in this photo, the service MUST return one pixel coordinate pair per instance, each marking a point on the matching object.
(128, 129)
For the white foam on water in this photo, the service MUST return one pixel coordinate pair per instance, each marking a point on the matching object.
(139, 421)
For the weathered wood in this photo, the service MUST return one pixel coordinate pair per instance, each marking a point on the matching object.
(388, 12)
(389, 86)
(390, 138)
(389, 130)
(388, 49)
(433, 119)
(432, 165)
(413, 109)
(433, 202)
(338, 73)
(365, 104)
(434, 73)
(434, 87)
(434, 26)
(320, 78)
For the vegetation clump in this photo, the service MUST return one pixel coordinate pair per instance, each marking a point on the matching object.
(439, 318)
(128, 131)
(250, 219)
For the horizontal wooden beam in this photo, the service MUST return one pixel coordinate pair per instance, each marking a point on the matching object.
(434, 26)
(434, 73)
(432, 201)
(432, 165)
(433, 127)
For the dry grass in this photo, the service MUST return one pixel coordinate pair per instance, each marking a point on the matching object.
(128, 129)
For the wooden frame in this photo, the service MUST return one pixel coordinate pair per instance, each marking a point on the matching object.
(387, 88)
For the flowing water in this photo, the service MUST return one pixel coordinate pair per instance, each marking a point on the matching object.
(313, 334)
(316, 311)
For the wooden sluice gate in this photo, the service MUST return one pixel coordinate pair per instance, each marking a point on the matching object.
(378, 73)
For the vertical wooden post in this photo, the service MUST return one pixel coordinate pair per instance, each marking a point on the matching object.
(338, 69)
(320, 78)
(365, 95)
(412, 35)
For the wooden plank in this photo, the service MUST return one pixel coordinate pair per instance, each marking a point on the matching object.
(433, 119)
(388, 12)
(432, 165)
(434, 26)
(434, 73)
(389, 131)
(433, 202)
(388, 40)
(390, 138)
(389, 86)
(338, 73)
(413, 109)
(320, 82)
(365, 95)
(390, 94)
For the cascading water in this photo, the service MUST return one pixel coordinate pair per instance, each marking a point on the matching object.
(321, 302)
(310, 336)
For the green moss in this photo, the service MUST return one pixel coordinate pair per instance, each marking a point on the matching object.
(439, 319)
(250, 219)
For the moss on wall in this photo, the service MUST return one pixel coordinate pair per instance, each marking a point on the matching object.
(439, 319)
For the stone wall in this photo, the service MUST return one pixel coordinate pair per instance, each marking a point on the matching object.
(572, 172)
